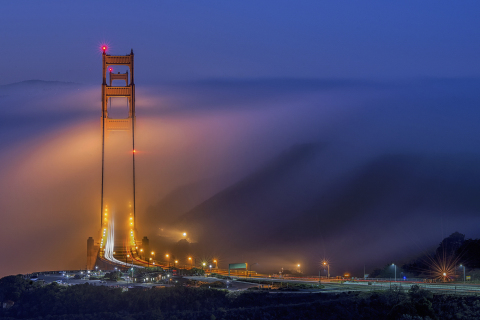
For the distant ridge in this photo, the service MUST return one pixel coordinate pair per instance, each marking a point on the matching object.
(38, 82)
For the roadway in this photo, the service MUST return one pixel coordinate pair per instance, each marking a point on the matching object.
(345, 286)
(49, 278)
(242, 283)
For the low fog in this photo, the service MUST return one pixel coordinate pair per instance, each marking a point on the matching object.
(272, 172)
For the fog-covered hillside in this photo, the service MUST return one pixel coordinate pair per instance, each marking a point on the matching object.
(274, 172)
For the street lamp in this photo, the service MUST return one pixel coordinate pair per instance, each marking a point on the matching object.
(175, 263)
(216, 264)
(250, 265)
(393, 264)
(328, 268)
(463, 273)
(167, 256)
(128, 256)
(191, 262)
(203, 266)
(150, 259)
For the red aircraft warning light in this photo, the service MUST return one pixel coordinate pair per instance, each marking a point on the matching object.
(104, 48)
(110, 69)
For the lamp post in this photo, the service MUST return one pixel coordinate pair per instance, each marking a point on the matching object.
(393, 264)
(191, 262)
(168, 260)
(328, 268)
(126, 257)
(463, 273)
(216, 264)
(250, 265)
(149, 259)
(175, 263)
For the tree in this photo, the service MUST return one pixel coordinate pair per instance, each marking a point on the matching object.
(12, 287)
(469, 253)
(113, 276)
(450, 245)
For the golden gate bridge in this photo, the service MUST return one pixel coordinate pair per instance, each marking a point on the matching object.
(118, 243)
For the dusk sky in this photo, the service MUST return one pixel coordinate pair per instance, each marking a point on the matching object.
(183, 40)
(289, 127)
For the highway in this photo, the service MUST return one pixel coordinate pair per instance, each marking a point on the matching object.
(240, 283)
(63, 280)
(345, 286)
(243, 283)
(49, 278)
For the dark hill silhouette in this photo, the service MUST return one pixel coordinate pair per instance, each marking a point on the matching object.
(255, 199)
(391, 195)
(402, 182)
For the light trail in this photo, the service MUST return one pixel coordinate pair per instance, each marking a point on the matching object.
(109, 246)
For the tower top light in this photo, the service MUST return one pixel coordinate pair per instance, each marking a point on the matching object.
(104, 49)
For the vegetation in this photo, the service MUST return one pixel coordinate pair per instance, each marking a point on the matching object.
(290, 286)
(54, 301)
(139, 272)
(193, 272)
(449, 258)
(215, 284)
(220, 276)
(113, 276)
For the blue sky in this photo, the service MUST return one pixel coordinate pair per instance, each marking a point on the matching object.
(185, 40)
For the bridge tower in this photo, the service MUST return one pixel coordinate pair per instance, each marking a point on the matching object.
(111, 247)
(112, 124)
